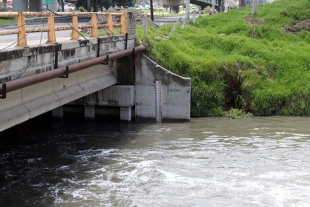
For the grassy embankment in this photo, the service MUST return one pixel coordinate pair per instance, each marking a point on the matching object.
(241, 61)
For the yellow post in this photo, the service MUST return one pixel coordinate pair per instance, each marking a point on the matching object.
(51, 36)
(75, 27)
(124, 22)
(94, 26)
(21, 36)
(110, 24)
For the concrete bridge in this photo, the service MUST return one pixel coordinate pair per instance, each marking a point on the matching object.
(35, 5)
(201, 3)
(93, 72)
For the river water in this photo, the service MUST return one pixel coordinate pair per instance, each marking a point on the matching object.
(261, 161)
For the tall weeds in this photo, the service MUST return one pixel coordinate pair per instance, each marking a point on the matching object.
(240, 61)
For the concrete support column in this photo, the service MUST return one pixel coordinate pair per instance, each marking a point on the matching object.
(187, 3)
(35, 5)
(125, 113)
(20, 5)
(53, 7)
(89, 111)
(58, 112)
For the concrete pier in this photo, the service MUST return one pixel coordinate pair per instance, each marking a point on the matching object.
(20, 5)
(125, 113)
(35, 5)
(89, 111)
(58, 112)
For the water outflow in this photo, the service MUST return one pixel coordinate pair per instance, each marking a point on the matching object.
(205, 162)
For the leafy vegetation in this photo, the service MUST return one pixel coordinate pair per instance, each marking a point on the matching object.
(101, 32)
(100, 4)
(236, 113)
(236, 60)
(7, 20)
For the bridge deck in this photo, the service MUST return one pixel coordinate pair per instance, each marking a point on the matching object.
(10, 42)
(204, 3)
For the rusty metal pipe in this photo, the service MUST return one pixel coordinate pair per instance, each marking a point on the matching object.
(41, 77)
(88, 63)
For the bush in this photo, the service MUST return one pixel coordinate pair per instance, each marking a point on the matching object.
(82, 9)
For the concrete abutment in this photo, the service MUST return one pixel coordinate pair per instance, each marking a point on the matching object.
(174, 100)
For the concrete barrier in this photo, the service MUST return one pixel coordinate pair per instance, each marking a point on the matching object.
(175, 92)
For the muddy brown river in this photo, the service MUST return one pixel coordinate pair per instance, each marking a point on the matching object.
(261, 161)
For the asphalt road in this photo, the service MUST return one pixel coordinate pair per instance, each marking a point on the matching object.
(164, 20)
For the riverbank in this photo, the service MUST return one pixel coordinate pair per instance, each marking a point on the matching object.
(258, 64)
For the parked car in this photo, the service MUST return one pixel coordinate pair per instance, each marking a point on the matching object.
(193, 10)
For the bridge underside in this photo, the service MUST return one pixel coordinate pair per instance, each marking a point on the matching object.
(205, 3)
(34, 100)
(173, 2)
(201, 3)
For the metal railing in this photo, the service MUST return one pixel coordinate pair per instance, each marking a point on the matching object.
(21, 29)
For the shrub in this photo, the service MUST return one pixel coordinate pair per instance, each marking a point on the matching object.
(82, 9)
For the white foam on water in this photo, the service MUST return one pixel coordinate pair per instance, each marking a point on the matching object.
(267, 168)
(274, 175)
(65, 167)
(33, 160)
(208, 140)
(186, 139)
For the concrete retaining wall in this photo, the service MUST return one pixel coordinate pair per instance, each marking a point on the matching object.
(175, 93)
(175, 98)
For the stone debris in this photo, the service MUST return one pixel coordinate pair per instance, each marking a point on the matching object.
(254, 20)
(297, 26)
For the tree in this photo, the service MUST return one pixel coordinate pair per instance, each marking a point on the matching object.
(124, 3)
(5, 4)
(100, 4)
(80, 3)
(105, 4)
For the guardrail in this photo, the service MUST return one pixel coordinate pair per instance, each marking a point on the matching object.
(50, 29)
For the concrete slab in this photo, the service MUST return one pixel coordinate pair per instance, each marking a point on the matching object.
(120, 95)
(42, 104)
(14, 116)
(175, 92)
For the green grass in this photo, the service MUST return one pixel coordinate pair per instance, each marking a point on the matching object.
(5, 21)
(257, 68)
(101, 32)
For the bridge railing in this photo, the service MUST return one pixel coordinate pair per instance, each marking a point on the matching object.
(22, 31)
